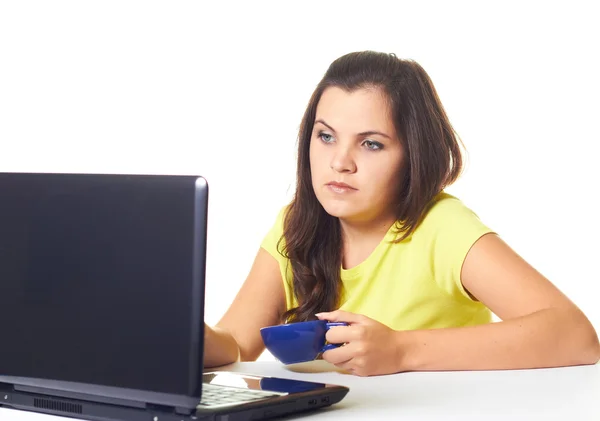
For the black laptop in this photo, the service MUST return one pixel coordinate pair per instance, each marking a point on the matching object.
(102, 304)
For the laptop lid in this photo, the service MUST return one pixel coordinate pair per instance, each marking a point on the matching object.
(102, 286)
(102, 299)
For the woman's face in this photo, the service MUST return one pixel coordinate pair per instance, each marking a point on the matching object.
(355, 155)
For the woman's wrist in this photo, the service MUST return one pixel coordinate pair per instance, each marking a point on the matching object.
(407, 350)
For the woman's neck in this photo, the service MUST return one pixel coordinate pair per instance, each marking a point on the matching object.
(360, 230)
(360, 239)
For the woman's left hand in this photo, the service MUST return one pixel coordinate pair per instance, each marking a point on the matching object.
(370, 348)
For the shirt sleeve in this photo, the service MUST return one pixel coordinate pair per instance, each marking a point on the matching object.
(451, 229)
(273, 242)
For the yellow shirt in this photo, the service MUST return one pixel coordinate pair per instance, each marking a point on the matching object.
(414, 284)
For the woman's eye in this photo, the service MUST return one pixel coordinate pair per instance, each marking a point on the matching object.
(372, 145)
(327, 138)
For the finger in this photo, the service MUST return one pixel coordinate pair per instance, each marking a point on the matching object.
(347, 366)
(340, 316)
(338, 355)
(340, 334)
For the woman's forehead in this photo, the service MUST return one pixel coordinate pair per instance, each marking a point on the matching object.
(355, 111)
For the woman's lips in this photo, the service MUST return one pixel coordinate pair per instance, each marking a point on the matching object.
(338, 187)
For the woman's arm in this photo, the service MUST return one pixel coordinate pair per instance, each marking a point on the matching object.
(220, 348)
(541, 327)
(259, 303)
(550, 337)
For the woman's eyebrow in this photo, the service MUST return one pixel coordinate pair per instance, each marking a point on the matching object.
(325, 124)
(372, 132)
(367, 133)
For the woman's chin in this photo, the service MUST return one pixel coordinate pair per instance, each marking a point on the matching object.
(339, 210)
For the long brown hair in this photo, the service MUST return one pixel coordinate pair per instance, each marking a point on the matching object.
(312, 238)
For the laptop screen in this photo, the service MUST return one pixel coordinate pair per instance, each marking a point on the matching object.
(96, 280)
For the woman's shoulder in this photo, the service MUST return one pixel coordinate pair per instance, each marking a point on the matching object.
(279, 221)
(447, 205)
(273, 240)
(448, 212)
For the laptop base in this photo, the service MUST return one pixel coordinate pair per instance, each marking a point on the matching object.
(295, 397)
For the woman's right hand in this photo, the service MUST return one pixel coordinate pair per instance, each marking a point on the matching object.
(259, 303)
(220, 348)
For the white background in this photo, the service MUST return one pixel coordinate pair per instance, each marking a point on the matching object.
(219, 88)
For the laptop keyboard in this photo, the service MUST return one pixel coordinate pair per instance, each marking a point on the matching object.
(216, 395)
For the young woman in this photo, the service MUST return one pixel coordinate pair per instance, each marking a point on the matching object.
(371, 238)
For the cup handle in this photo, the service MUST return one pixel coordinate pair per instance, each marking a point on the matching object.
(329, 325)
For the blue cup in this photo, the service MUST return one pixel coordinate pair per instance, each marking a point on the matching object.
(298, 342)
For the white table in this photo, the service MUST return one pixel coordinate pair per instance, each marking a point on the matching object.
(571, 394)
